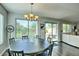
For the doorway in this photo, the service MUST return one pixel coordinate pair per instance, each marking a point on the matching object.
(51, 31)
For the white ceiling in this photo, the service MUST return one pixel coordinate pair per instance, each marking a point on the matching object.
(63, 11)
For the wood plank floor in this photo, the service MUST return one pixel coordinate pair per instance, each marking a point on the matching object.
(65, 50)
(61, 49)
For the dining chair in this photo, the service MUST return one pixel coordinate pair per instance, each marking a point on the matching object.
(47, 52)
(24, 37)
(15, 53)
(37, 36)
(11, 40)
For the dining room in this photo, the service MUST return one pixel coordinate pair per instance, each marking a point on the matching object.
(25, 35)
(37, 29)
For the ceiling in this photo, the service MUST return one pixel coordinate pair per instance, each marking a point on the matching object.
(62, 11)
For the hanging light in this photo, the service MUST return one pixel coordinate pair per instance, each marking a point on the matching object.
(31, 16)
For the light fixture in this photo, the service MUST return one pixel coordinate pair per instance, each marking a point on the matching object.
(31, 16)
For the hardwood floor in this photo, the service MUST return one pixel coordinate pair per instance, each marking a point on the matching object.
(65, 50)
(62, 49)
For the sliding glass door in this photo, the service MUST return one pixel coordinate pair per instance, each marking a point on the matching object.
(26, 28)
(55, 32)
(32, 29)
(51, 31)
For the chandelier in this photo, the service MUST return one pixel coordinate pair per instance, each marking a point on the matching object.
(31, 16)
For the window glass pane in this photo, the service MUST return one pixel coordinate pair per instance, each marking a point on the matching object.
(21, 28)
(32, 29)
(48, 30)
(1, 29)
(67, 28)
(26, 28)
(64, 28)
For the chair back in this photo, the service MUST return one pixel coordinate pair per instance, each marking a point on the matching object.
(47, 52)
(37, 36)
(50, 49)
(15, 53)
(24, 37)
(11, 40)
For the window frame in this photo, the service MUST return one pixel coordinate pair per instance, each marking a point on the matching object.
(67, 28)
(25, 20)
(2, 29)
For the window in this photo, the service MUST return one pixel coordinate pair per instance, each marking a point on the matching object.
(51, 31)
(1, 28)
(26, 28)
(67, 28)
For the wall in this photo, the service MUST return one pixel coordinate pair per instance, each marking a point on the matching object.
(71, 39)
(11, 21)
(12, 17)
(5, 41)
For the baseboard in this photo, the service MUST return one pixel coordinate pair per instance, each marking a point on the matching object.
(3, 51)
(70, 45)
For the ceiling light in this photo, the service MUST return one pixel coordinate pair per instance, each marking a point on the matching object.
(31, 16)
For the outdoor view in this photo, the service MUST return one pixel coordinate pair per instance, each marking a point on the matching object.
(66, 28)
(51, 31)
(26, 28)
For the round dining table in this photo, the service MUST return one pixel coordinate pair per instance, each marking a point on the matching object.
(29, 46)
